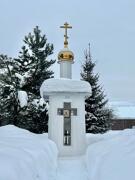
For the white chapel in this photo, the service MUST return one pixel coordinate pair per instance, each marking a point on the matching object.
(66, 96)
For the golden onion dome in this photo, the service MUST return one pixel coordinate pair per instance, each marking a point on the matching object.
(66, 55)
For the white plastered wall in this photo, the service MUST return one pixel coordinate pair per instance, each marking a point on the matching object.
(78, 135)
(66, 69)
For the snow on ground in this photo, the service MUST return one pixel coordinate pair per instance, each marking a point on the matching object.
(72, 168)
(26, 156)
(94, 138)
(109, 156)
(112, 156)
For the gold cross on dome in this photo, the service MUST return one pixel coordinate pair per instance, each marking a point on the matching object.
(66, 26)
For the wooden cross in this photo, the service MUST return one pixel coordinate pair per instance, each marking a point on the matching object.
(66, 26)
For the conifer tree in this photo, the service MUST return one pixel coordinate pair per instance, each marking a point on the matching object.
(8, 93)
(98, 115)
(29, 70)
(33, 63)
(33, 67)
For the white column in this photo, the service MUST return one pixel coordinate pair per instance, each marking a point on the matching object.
(66, 69)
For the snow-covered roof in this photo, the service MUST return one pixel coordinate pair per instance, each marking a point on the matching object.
(64, 85)
(121, 103)
(123, 110)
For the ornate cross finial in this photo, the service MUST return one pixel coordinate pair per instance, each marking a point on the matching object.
(66, 26)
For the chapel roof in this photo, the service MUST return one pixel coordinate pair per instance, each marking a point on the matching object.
(63, 85)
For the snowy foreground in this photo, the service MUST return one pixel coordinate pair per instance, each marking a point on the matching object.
(112, 157)
(26, 156)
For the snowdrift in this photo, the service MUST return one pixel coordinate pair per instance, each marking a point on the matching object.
(111, 156)
(26, 156)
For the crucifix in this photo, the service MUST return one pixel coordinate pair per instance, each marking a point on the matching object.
(67, 112)
(66, 26)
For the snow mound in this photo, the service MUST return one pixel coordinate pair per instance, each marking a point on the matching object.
(112, 156)
(26, 156)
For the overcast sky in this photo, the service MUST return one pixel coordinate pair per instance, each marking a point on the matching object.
(109, 25)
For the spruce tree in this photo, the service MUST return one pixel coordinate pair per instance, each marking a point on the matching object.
(33, 67)
(8, 93)
(33, 63)
(98, 115)
(29, 70)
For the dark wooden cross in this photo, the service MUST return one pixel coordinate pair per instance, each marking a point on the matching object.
(67, 112)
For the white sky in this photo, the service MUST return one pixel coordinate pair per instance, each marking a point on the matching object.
(107, 25)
